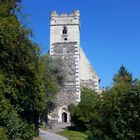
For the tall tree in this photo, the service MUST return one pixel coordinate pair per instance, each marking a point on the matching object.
(21, 91)
(123, 76)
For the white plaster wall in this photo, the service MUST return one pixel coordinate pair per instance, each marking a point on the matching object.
(86, 70)
(57, 36)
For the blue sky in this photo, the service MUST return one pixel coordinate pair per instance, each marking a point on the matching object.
(110, 31)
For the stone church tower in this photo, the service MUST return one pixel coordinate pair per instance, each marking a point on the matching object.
(65, 44)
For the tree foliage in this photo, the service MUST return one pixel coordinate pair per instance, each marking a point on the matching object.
(80, 115)
(123, 76)
(115, 114)
(22, 98)
(52, 76)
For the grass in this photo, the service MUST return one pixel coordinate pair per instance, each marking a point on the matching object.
(73, 135)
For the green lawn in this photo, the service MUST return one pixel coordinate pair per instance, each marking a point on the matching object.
(73, 135)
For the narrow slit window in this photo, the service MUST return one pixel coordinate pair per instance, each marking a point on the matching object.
(65, 30)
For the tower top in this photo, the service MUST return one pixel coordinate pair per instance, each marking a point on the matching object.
(75, 13)
(64, 18)
(65, 27)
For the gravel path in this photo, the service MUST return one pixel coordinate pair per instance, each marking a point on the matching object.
(50, 136)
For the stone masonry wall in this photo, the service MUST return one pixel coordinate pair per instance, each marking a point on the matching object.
(69, 54)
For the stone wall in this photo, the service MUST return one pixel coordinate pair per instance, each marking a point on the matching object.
(68, 52)
(90, 84)
(70, 92)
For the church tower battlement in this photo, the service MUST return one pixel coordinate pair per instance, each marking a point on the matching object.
(65, 45)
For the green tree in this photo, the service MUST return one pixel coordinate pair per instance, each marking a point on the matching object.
(52, 76)
(118, 115)
(81, 114)
(123, 76)
(21, 90)
(122, 81)
(113, 115)
(118, 112)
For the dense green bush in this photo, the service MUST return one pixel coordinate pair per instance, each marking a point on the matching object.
(81, 114)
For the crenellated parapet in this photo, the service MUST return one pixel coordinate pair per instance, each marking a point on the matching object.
(75, 13)
(67, 19)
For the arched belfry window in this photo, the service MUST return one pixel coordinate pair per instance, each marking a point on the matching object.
(65, 30)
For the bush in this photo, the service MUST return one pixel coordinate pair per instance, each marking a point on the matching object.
(82, 113)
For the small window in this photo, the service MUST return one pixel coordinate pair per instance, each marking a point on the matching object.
(65, 39)
(65, 30)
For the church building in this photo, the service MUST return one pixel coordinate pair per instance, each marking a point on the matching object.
(65, 44)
